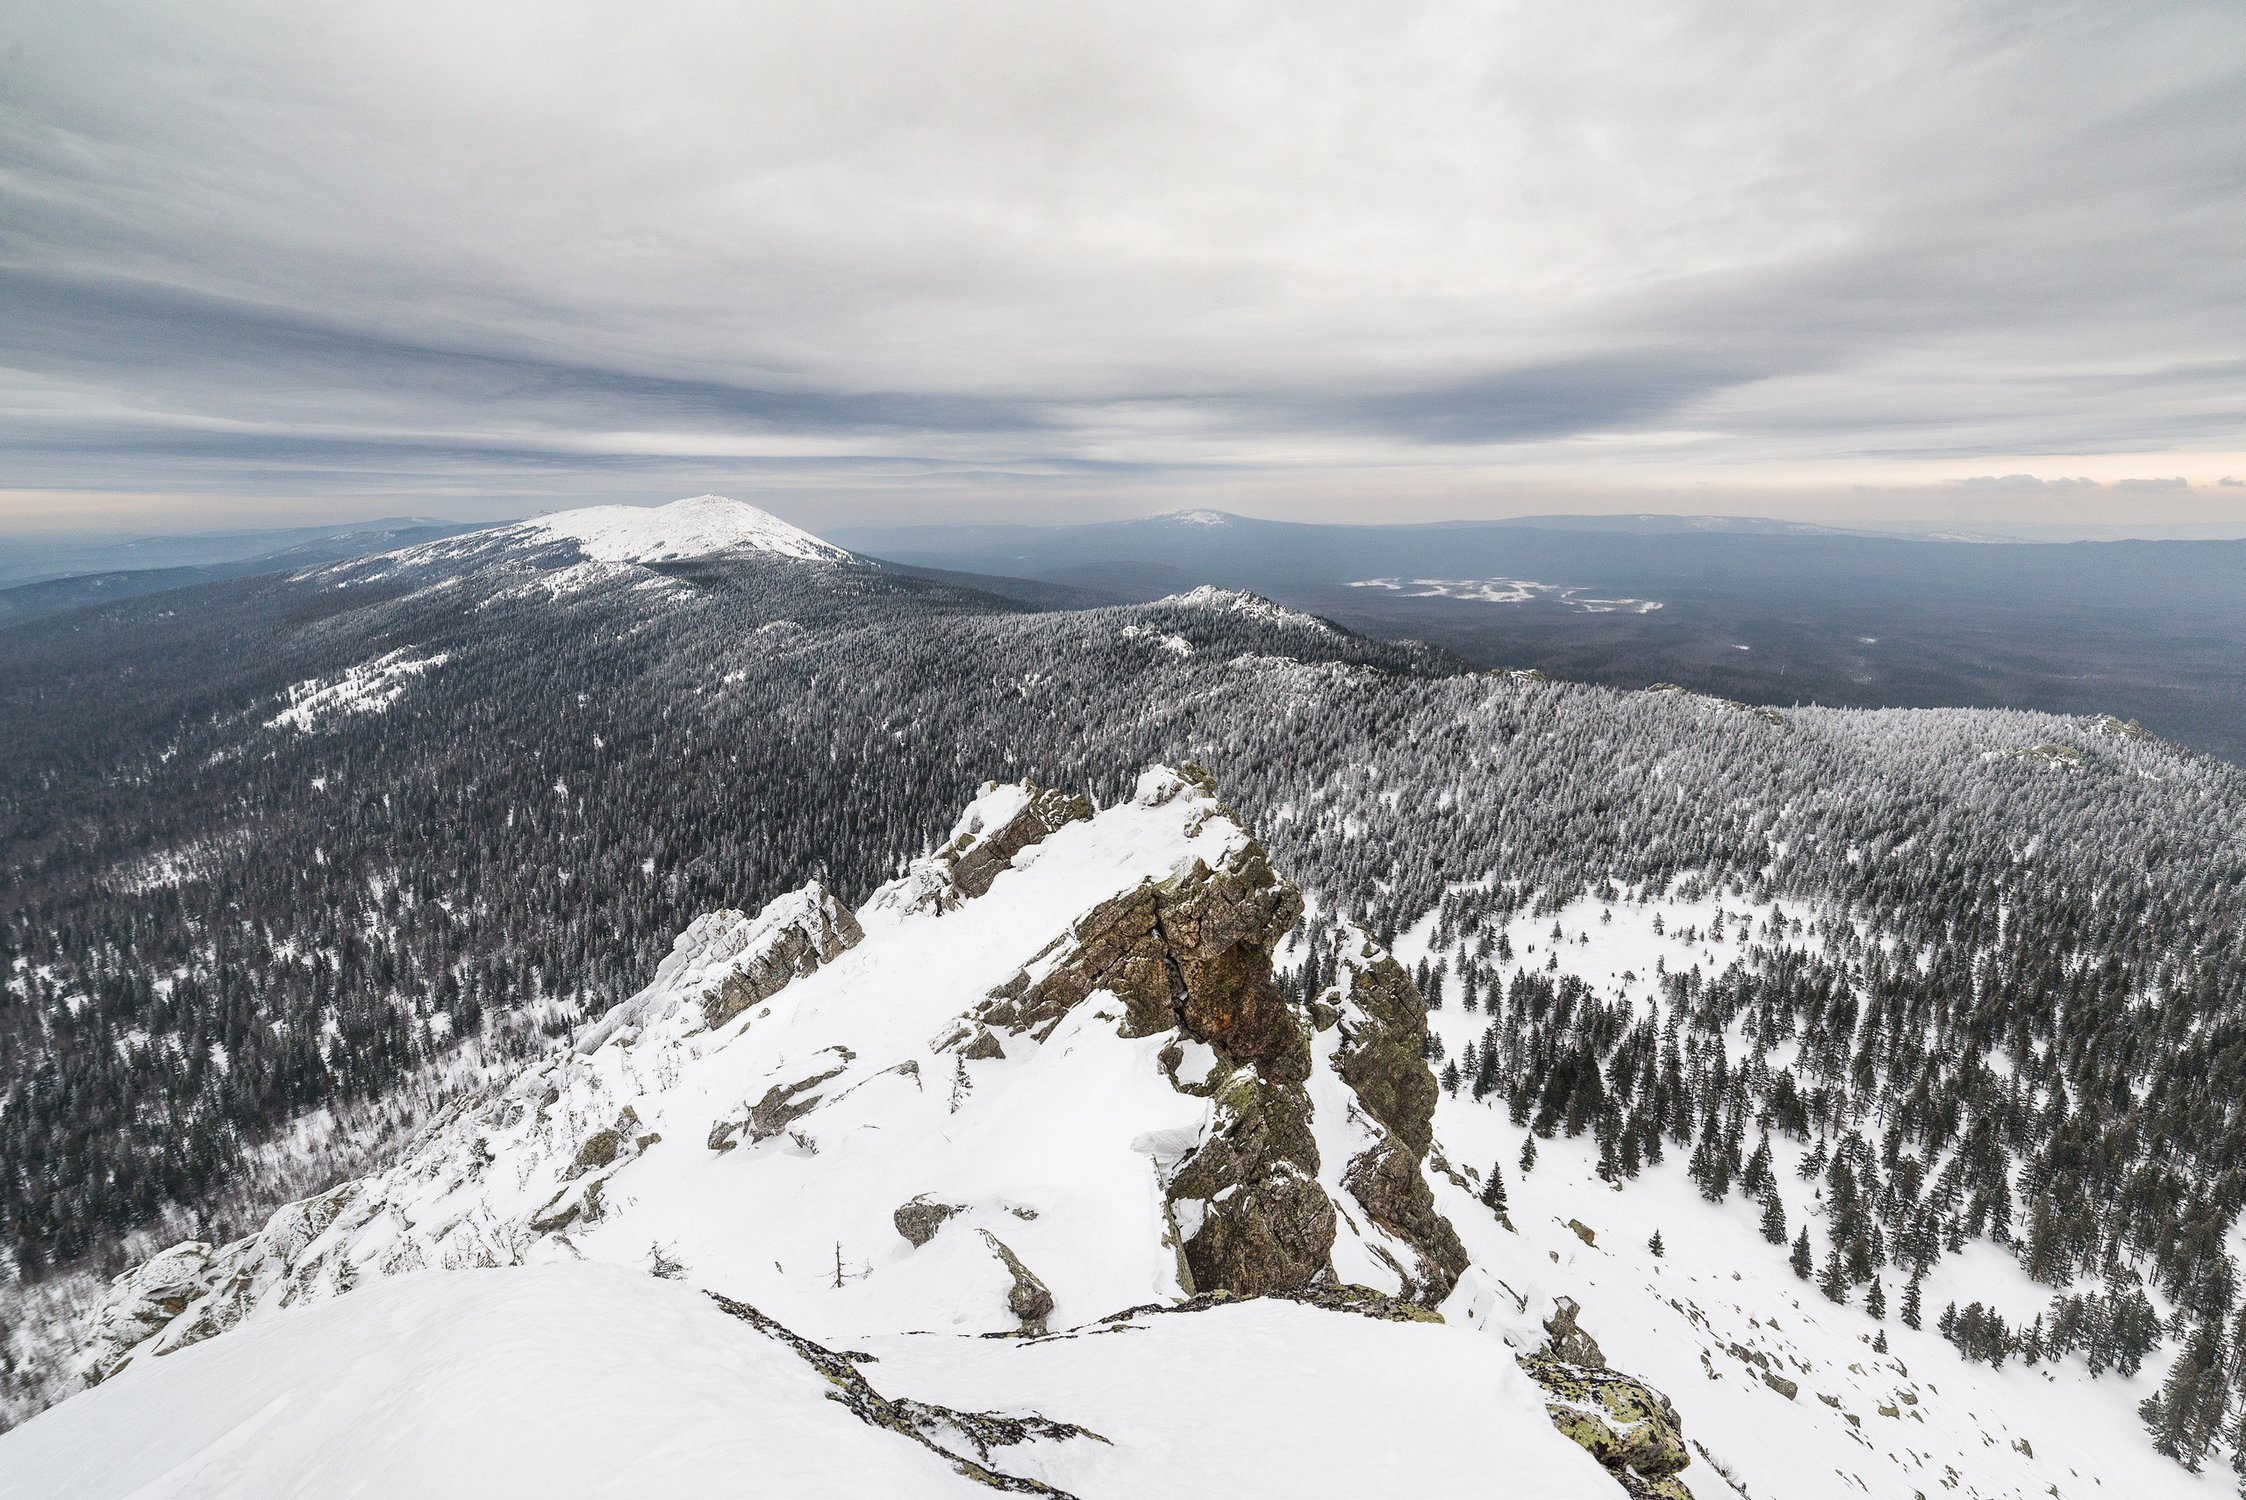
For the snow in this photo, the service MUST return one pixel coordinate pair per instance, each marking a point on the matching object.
(554, 1381)
(1679, 1321)
(1059, 1148)
(1266, 1398)
(703, 526)
(368, 688)
(1507, 591)
(1240, 602)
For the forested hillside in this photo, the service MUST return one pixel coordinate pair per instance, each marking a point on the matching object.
(275, 847)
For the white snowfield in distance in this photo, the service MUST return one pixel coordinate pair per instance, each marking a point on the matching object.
(702, 526)
(1508, 591)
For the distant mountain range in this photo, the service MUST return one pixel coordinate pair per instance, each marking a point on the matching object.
(1766, 611)
(52, 578)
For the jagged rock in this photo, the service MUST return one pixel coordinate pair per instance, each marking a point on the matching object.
(977, 857)
(1029, 1300)
(1193, 954)
(784, 952)
(603, 1147)
(726, 961)
(1625, 1424)
(1584, 1232)
(919, 1220)
(142, 1303)
(1780, 1384)
(998, 825)
(1381, 1054)
(985, 1045)
(1251, 1215)
(782, 1105)
(1569, 1342)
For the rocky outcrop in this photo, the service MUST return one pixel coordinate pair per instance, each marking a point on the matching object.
(1378, 1046)
(1625, 1424)
(1192, 954)
(783, 952)
(1029, 1299)
(781, 1106)
(142, 1304)
(727, 961)
(1002, 821)
(1250, 1214)
(919, 1219)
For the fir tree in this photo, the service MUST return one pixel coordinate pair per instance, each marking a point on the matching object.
(1833, 1280)
(1773, 1217)
(1800, 1259)
(1494, 1197)
(1655, 1245)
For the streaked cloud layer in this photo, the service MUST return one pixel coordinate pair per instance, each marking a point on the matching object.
(949, 258)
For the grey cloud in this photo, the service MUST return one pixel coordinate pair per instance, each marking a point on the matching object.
(294, 247)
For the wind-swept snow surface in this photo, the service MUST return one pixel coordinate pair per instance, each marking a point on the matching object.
(550, 1381)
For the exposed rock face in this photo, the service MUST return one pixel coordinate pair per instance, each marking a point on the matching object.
(1029, 1299)
(1380, 1052)
(1249, 1210)
(727, 961)
(999, 824)
(1618, 1419)
(1193, 954)
(1570, 1342)
(788, 951)
(919, 1220)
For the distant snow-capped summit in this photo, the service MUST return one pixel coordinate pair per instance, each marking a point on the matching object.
(702, 526)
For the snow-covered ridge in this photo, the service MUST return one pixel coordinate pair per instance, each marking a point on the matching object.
(702, 526)
(1046, 1079)
(1240, 602)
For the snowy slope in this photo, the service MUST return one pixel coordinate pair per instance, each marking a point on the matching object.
(552, 1381)
(1013, 1127)
(568, 1381)
(1706, 1320)
(1043, 1080)
(702, 526)
(572, 551)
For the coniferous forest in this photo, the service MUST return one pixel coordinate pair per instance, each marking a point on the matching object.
(278, 850)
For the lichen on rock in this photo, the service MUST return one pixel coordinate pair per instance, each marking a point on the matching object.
(1029, 1299)
(1379, 1028)
(1625, 1424)
(919, 1219)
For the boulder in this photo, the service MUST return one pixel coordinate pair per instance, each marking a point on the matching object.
(919, 1219)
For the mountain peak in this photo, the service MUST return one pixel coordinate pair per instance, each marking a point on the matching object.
(700, 526)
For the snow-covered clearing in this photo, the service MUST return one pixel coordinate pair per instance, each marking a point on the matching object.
(1508, 591)
(368, 688)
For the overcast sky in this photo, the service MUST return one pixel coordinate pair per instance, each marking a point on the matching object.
(865, 263)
